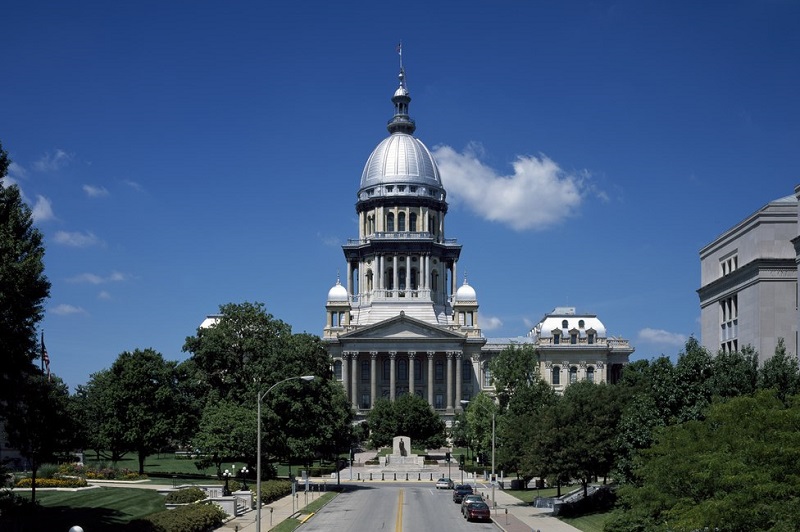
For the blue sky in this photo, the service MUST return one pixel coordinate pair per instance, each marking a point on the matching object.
(183, 155)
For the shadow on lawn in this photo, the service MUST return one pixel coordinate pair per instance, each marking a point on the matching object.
(62, 518)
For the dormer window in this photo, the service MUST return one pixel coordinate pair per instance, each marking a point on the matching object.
(573, 338)
(556, 337)
(401, 188)
(564, 324)
(581, 324)
(590, 338)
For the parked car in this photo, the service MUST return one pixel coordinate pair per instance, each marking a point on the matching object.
(444, 484)
(478, 511)
(467, 500)
(461, 490)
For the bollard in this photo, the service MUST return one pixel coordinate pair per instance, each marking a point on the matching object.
(431, 476)
(381, 476)
(370, 476)
(395, 476)
(419, 476)
(406, 477)
(359, 477)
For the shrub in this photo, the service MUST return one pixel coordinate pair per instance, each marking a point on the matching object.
(48, 471)
(191, 518)
(185, 495)
(272, 490)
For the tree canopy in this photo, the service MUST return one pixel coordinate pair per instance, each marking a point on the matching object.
(24, 287)
(408, 415)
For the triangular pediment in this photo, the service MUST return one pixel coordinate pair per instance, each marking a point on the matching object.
(402, 327)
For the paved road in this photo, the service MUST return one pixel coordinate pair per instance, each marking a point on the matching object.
(393, 507)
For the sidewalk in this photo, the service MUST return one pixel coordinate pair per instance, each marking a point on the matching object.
(513, 515)
(271, 515)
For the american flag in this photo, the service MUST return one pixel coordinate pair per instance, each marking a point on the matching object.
(45, 358)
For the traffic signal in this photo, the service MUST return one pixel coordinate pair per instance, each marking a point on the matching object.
(462, 460)
(447, 456)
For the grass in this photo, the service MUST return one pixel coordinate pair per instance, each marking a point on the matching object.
(588, 523)
(99, 509)
(288, 525)
(530, 494)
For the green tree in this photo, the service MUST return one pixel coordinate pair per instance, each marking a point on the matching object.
(735, 374)
(479, 414)
(408, 415)
(247, 351)
(736, 470)
(694, 381)
(139, 402)
(780, 373)
(23, 287)
(97, 409)
(513, 367)
(518, 429)
(39, 425)
(227, 432)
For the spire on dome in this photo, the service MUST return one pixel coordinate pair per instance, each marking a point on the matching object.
(401, 122)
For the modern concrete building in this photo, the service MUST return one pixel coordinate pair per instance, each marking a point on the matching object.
(748, 282)
(401, 324)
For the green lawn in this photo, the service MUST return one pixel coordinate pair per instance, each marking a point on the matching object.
(588, 523)
(98, 510)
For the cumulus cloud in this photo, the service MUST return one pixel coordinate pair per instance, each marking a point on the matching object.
(52, 161)
(660, 336)
(95, 192)
(77, 239)
(104, 295)
(538, 194)
(93, 278)
(43, 209)
(67, 310)
(490, 323)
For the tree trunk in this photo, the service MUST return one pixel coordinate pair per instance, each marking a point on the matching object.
(142, 456)
(34, 467)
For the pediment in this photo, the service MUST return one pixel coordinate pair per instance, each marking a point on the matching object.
(402, 327)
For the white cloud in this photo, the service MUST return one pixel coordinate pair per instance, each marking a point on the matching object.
(490, 323)
(50, 162)
(95, 192)
(104, 295)
(537, 195)
(660, 336)
(16, 171)
(42, 210)
(77, 239)
(93, 278)
(66, 310)
(133, 184)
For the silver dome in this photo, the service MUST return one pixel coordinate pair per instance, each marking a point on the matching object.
(401, 159)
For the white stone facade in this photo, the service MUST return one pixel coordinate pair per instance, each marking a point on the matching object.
(748, 282)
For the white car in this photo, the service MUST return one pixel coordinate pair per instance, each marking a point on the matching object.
(444, 483)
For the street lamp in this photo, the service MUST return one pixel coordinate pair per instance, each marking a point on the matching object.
(260, 396)
(494, 503)
(226, 491)
(244, 472)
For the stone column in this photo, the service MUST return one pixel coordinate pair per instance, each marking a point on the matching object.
(411, 355)
(392, 373)
(373, 378)
(349, 279)
(449, 381)
(430, 378)
(346, 373)
(459, 369)
(408, 275)
(395, 277)
(354, 379)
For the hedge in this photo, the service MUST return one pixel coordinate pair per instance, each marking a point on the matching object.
(191, 518)
(52, 483)
(186, 495)
(272, 490)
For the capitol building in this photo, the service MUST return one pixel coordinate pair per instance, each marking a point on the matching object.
(401, 322)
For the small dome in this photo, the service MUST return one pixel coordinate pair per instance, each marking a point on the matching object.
(338, 293)
(466, 293)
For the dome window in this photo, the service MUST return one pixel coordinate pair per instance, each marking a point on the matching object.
(390, 222)
(412, 222)
(581, 324)
(401, 221)
(564, 324)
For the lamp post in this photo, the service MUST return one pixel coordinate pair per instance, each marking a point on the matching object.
(494, 503)
(244, 472)
(226, 491)
(260, 396)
